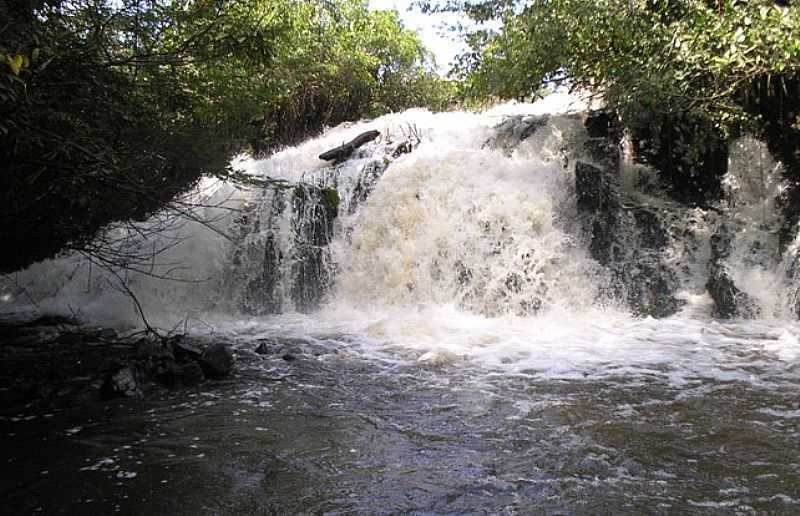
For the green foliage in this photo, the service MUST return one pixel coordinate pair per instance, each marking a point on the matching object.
(652, 55)
(109, 108)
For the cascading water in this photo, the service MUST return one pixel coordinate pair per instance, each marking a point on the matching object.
(754, 184)
(489, 311)
(518, 214)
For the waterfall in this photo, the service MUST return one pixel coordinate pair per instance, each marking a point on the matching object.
(753, 217)
(519, 211)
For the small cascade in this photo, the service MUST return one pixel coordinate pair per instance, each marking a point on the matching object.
(282, 258)
(746, 277)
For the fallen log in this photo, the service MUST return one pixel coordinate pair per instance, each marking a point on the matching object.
(342, 152)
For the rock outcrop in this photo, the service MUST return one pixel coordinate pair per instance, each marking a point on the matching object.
(627, 236)
(729, 301)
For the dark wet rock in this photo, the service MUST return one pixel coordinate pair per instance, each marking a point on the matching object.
(150, 350)
(51, 320)
(105, 334)
(29, 336)
(628, 238)
(516, 129)
(319, 206)
(185, 350)
(191, 373)
(651, 231)
(254, 278)
(691, 173)
(793, 276)
(121, 383)
(71, 338)
(403, 148)
(156, 360)
(259, 258)
(331, 200)
(603, 152)
(729, 301)
(593, 188)
(313, 232)
(625, 235)
(367, 179)
(600, 123)
(217, 361)
(289, 348)
(186, 374)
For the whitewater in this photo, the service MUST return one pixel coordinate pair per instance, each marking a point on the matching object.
(472, 347)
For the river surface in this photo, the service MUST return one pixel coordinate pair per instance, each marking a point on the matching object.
(627, 417)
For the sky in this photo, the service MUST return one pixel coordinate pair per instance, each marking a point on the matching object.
(429, 27)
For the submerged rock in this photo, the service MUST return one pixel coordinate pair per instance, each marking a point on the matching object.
(121, 383)
(438, 358)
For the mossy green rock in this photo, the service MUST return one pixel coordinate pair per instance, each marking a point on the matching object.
(331, 200)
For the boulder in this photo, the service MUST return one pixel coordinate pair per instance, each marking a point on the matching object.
(514, 130)
(265, 348)
(628, 238)
(217, 361)
(184, 350)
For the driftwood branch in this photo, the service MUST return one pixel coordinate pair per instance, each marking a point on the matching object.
(343, 152)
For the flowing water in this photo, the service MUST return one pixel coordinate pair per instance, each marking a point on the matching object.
(438, 334)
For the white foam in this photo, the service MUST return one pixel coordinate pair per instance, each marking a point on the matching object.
(425, 267)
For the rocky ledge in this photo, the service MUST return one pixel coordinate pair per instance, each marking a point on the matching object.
(59, 362)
